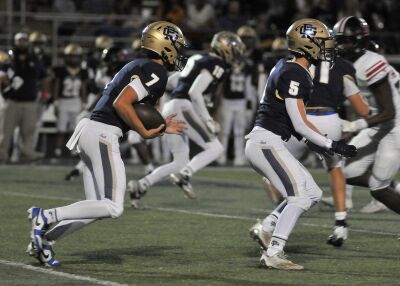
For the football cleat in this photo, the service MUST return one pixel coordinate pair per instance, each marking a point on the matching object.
(278, 261)
(328, 201)
(73, 174)
(183, 182)
(39, 226)
(338, 237)
(373, 206)
(134, 193)
(46, 256)
(259, 235)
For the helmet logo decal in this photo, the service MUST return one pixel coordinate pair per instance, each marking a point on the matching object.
(308, 30)
(170, 33)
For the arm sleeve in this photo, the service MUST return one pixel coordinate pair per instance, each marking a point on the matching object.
(200, 84)
(138, 87)
(349, 86)
(301, 127)
(173, 81)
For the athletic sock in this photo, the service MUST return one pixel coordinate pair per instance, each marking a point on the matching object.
(340, 215)
(276, 245)
(269, 223)
(51, 215)
(187, 171)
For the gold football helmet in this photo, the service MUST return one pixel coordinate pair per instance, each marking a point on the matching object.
(228, 46)
(37, 37)
(248, 36)
(4, 57)
(311, 39)
(73, 50)
(166, 40)
(103, 42)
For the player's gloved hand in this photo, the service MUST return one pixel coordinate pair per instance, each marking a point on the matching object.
(346, 150)
(354, 126)
(213, 126)
(321, 151)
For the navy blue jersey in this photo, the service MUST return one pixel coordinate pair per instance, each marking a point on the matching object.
(195, 64)
(69, 84)
(287, 80)
(153, 77)
(328, 84)
(234, 87)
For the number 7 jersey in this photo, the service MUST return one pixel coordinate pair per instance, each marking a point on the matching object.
(287, 79)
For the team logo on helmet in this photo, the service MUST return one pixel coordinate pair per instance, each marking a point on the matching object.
(170, 33)
(308, 30)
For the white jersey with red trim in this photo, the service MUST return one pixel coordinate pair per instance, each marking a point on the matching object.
(371, 68)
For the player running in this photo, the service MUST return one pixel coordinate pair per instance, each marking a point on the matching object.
(96, 140)
(201, 76)
(379, 139)
(280, 116)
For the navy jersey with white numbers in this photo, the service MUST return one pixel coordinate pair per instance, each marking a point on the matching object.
(328, 84)
(195, 64)
(236, 82)
(153, 77)
(70, 84)
(287, 80)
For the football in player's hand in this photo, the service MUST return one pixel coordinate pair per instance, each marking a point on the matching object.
(149, 116)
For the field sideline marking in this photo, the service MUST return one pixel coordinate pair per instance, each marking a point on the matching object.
(61, 274)
(202, 213)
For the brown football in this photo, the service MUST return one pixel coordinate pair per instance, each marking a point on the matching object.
(149, 116)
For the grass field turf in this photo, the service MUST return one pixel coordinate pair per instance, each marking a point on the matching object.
(175, 241)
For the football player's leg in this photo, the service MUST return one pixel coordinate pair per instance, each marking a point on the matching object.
(197, 132)
(178, 145)
(12, 117)
(227, 122)
(385, 168)
(239, 124)
(28, 127)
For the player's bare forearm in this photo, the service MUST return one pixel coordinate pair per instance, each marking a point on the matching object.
(359, 105)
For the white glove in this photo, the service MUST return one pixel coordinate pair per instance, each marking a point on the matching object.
(213, 126)
(354, 126)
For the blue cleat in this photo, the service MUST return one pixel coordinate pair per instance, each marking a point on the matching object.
(45, 256)
(39, 226)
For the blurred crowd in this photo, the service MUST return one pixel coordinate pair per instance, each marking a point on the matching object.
(42, 100)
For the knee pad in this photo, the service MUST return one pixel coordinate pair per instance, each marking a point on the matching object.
(302, 202)
(376, 183)
(115, 209)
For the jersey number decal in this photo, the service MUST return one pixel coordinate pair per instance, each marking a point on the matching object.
(155, 78)
(294, 87)
(71, 87)
(237, 82)
(218, 71)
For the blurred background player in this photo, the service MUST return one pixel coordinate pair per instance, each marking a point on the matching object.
(70, 92)
(22, 104)
(6, 73)
(280, 116)
(332, 86)
(97, 138)
(239, 91)
(378, 139)
(201, 76)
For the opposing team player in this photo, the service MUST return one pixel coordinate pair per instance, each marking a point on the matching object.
(142, 80)
(69, 93)
(201, 76)
(379, 139)
(331, 87)
(282, 115)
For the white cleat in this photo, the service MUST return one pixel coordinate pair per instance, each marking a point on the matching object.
(260, 236)
(278, 261)
(340, 234)
(183, 182)
(373, 206)
(328, 201)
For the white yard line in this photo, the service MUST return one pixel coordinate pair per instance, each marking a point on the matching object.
(60, 274)
(200, 213)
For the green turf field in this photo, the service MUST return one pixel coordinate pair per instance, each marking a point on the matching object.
(175, 241)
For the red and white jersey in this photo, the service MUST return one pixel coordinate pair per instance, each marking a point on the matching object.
(371, 68)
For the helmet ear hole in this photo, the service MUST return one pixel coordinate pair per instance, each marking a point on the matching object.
(168, 50)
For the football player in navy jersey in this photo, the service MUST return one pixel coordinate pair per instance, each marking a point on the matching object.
(201, 76)
(332, 86)
(96, 140)
(280, 116)
(69, 92)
